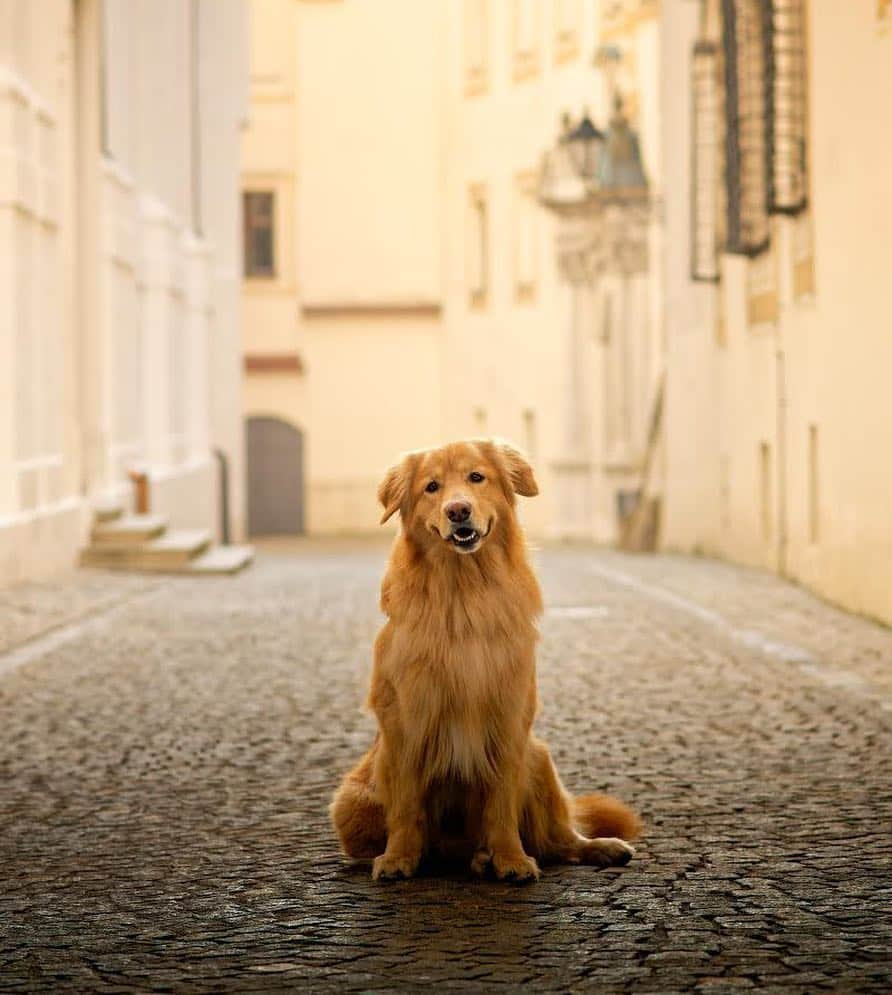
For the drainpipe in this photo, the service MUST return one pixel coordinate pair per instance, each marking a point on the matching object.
(223, 463)
(781, 460)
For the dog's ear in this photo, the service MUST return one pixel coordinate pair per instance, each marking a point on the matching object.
(394, 488)
(520, 473)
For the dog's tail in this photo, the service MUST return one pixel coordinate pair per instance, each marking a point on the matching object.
(601, 815)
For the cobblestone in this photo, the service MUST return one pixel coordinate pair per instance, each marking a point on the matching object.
(165, 776)
(28, 610)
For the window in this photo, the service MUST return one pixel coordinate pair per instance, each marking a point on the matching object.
(567, 25)
(526, 217)
(620, 16)
(814, 506)
(525, 15)
(745, 30)
(476, 31)
(195, 112)
(765, 488)
(788, 110)
(705, 239)
(259, 233)
(478, 247)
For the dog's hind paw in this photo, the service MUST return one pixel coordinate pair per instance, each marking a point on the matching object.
(606, 852)
(481, 861)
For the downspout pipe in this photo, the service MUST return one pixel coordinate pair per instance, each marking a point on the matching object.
(223, 463)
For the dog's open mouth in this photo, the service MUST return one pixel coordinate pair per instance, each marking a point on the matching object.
(464, 535)
(465, 538)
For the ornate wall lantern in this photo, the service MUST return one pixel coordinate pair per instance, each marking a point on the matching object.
(585, 143)
(596, 181)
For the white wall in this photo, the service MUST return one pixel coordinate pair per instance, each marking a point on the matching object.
(817, 370)
(39, 457)
(369, 112)
(115, 315)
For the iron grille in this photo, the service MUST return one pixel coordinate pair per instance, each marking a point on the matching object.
(785, 69)
(705, 208)
(746, 34)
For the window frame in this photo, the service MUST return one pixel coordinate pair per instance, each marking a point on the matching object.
(705, 270)
(250, 269)
(475, 18)
(526, 58)
(786, 61)
(526, 232)
(742, 162)
(567, 29)
(478, 244)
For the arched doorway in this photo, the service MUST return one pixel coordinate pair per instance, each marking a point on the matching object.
(275, 454)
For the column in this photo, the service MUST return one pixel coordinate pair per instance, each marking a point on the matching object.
(577, 255)
(157, 319)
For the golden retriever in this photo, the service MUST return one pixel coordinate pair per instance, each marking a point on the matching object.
(455, 768)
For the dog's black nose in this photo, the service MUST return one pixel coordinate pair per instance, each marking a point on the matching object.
(458, 511)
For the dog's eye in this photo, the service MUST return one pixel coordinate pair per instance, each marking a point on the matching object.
(476, 478)
(432, 486)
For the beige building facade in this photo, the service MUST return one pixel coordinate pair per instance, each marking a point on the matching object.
(411, 287)
(120, 265)
(343, 304)
(779, 417)
(710, 346)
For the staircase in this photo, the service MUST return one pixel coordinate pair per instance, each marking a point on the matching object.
(143, 543)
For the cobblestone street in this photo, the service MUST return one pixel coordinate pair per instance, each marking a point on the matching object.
(168, 749)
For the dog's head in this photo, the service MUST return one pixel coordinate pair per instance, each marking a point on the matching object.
(458, 496)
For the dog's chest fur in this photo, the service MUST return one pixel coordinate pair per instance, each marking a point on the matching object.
(456, 673)
(462, 689)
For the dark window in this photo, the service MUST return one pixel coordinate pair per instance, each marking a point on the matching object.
(746, 31)
(788, 117)
(195, 111)
(706, 164)
(259, 235)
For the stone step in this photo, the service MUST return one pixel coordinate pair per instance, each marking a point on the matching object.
(129, 530)
(107, 511)
(171, 551)
(221, 560)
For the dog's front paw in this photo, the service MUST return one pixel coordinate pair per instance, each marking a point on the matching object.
(515, 867)
(389, 867)
(606, 852)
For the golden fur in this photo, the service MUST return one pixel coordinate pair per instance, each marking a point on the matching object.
(455, 767)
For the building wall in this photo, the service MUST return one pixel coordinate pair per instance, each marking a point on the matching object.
(110, 272)
(40, 457)
(357, 294)
(776, 428)
(838, 346)
(540, 350)
(374, 169)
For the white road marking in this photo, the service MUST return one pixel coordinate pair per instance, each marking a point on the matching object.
(751, 638)
(44, 644)
(576, 611)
